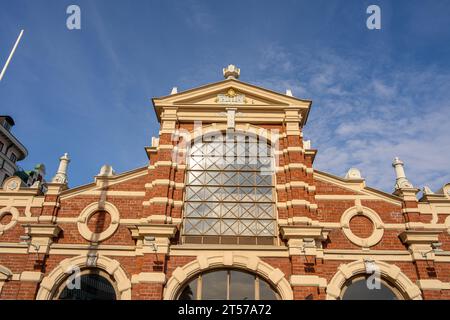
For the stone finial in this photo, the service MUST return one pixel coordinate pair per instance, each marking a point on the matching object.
(107, 171)
(289, 92)
(307, 144)
(353, 174)
(155, 142)
(401, 180)
(174, 90)
(231, 72)
(61, 174)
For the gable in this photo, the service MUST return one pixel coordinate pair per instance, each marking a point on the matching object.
(231, 92)
(131, 183)
(330, 186)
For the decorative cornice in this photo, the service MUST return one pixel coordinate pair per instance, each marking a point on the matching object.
(411, 237)
(156, 230)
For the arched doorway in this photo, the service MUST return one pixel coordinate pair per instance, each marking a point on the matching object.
(390, 275)
(89, 284)
(53, 284)
(362, 288)
(227, 284)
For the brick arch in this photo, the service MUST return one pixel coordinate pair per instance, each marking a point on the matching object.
(228, 260)
(390, 272)
(65, 267)
(5, 275)
(240, 128)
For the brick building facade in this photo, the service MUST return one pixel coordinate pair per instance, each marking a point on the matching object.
(198, 223)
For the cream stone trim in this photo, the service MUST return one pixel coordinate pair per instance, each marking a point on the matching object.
(15, 216)
(228, 259)
(5, 275)
(50, 283)
(28, 201)
(433, 284)
(215, 249)
(276, 152)
(447, 224)
(357, 186)
(240, 128)
(114, 193)
(296, 184)
(51, 204)
(164, 182)
(410, 210)
(31, 276)
(389, 271)
(163, 200)
(149, 277)
(347, 197)
(297, 203)
(378, 225)
(381, 255)
(167, 164)
(88, 212)
(308, 281)
(99, 184)
(293, 165)
(165, 147)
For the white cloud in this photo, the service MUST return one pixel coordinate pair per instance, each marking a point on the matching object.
(364, 116)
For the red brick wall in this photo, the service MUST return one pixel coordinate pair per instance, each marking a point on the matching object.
(131, 207)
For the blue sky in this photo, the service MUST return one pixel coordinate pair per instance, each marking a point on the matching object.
(376, 94)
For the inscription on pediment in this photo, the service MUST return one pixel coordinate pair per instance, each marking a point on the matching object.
(231, 97)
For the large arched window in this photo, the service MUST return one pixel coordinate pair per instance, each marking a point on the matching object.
(358, 288)
(91, 284)
(227, 285)
(230, 190)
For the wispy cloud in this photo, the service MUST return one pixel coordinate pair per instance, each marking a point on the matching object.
(364, 116)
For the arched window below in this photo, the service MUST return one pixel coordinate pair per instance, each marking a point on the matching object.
(362, 288)
(227, 285)
(90, 284)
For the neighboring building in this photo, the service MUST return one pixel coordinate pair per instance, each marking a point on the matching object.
(11, 150)
(228, 207)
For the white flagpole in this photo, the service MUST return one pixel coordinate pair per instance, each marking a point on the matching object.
(11, 54)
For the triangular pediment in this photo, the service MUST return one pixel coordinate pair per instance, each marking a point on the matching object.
(231, 92)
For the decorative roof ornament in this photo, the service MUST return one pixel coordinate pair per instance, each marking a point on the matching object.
(61, 174)
(353, 174)
(401, 180)
(107, 171)
(231, 72)
(307, 144)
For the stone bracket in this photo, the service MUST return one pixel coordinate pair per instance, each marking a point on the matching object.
(42, 234)
(161, 232)
(419, 242)
(304, 239)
